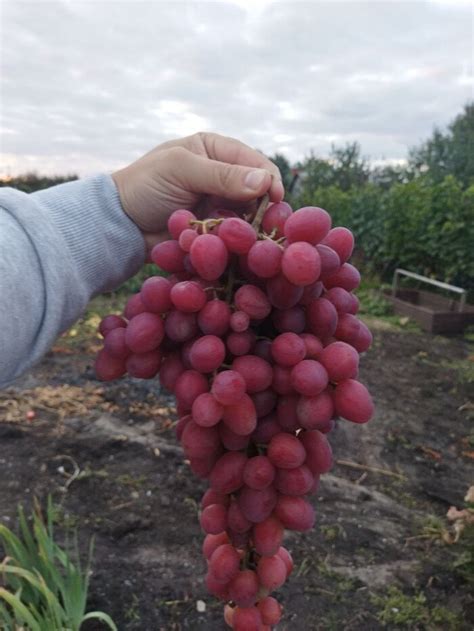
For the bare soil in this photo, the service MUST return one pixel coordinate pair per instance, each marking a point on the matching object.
(136, 495)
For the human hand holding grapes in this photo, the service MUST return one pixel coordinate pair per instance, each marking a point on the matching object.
(201, 172)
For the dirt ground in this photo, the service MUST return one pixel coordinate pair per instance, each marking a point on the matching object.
(375, 559)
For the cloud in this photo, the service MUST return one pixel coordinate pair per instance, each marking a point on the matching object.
(89, 86)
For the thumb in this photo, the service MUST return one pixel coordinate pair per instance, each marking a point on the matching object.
(205, 176)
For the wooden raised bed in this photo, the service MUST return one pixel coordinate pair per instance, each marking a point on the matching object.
(434, 313)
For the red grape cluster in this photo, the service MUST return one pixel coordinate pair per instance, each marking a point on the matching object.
(255, 332)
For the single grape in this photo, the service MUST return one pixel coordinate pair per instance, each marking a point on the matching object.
(243, 588)
(301, 264)
(286, 451)
(144, 365)
(214, 317)
(283, 294)
(286, 412)
(224, 563)
(340, 360)
(239, 321)
(267, 536)
(155, 294)
(237, 234)
(189, 385)
(206, 410)
(330, 261)
(353, 401)
(347, 277)
(227, 474)
(186, 239)
(144, 332)
(282, 380)
(257, 505)
(363, 340)
(240, 343)
(341, 299)
(257, 373)
(228, 387)
(267, 427)
(219, 590)
(259, 473)
(295, 513)
(288, 349)
(181, 327)
(168, 256)
(341, 241)
(188, 296)
(252, 301)
(274, 219)
(264, 258)
(270, 610)
(348, 328)
(247, 619)
(309, 224)
(315, 412)
(287, 559)
(318, 452)
(207, 353)
(236, 519)
(209, 256)
(313, 345)
(264, 401)
(298, 481)
(289, 320)
(134, 306)
(178, 221)
(200, 442)
(309, 377)
(108, 367)
(271, 572)
(114, 343)
(241, 418)
(171, 369)
(231, 440)
(213, 519)
(322, 318)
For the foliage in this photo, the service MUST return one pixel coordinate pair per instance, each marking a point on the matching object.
(410, 612)
(285, 169)
(44, 589)
(419, 225)
(448, 153)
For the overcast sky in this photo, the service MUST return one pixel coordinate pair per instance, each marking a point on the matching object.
(90, 86)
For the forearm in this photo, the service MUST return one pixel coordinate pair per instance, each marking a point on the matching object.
(58, 248)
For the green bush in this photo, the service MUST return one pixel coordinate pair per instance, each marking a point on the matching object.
(424, 227)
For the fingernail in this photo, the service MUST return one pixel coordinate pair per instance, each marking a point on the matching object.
(254, 179)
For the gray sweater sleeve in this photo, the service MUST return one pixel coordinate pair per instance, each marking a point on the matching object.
(58, 248)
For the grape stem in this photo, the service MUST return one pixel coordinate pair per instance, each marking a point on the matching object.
(260, 212)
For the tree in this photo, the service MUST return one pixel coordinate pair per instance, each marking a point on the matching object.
(285, 168)
(450, 152)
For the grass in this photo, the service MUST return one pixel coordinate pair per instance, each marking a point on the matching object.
(412, 611)
(45, 587)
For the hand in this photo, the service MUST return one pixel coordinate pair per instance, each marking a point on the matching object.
(200, 172)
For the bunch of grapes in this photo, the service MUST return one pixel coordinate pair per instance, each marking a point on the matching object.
(255, 332)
